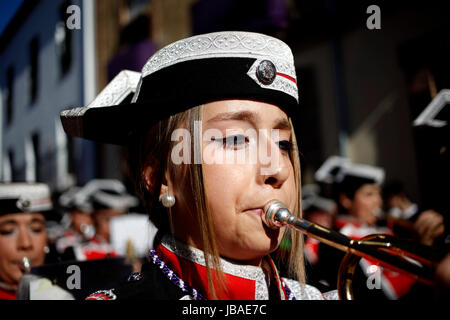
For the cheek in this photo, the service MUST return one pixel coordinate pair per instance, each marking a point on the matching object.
(7, 247)
(40, 241)
(225, 185)
(291, 190)
(371, 202)
(103, 225)
(8, 252)
(361, 204)
(365, 205)
(225, 181)
(100, 221)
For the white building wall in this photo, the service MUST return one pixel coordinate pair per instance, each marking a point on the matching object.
(55, 92)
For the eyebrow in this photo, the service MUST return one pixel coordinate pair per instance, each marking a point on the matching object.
(239, 115)
(37, 220)
(6, 222)
(12, 221)
(280, 123)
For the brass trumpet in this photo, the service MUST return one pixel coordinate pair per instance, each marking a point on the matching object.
(414, 259)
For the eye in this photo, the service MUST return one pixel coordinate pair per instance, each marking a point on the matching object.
(37, 227)
(7, 231)
(285, 145)
(233, 141)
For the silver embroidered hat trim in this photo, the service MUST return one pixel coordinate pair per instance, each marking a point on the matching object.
(197, 256)
(31, 197)
(113, 94)
(228, 45)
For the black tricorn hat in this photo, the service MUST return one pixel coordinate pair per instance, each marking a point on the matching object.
(98, 194)
(188, 73)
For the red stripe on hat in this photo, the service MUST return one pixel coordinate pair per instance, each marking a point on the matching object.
(40, 201)
(287, 77)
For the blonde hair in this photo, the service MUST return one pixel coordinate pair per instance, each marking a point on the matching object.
(152, 149)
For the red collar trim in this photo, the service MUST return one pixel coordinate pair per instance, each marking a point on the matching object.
(242, 282)
(7, 294)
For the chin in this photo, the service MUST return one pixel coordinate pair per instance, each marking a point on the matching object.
(15, 276)
(370, 221)
(262, 246)
(240, 252)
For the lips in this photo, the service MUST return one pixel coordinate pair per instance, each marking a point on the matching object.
(256, 211)
(21, 266)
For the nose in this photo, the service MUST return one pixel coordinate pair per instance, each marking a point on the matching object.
(277, 178)
(378, 200)
(24, 241)
(274, 169)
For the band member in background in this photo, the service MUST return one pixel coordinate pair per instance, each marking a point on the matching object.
(77, 219)
(357, 190)
(321, 210)
(198, 99)
(102, 199)
(408, 220)
(23, 238)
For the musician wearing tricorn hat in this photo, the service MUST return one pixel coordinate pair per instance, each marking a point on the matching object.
(211, 144)
(23, 237)
(213, 155)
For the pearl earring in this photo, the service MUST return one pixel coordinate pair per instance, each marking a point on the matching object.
(168, 200)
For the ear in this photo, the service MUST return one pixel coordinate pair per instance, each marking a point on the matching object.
(345, 201)
(166, 186)
(147, 176)
(164, 190)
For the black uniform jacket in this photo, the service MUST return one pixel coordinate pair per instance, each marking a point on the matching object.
(149, 284)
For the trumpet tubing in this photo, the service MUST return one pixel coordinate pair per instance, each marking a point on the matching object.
(414, 259)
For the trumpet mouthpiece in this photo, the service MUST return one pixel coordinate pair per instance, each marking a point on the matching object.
(275, 214)
(26, 265)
